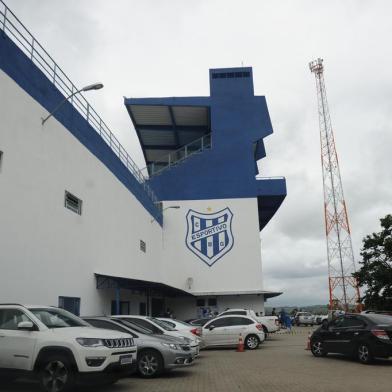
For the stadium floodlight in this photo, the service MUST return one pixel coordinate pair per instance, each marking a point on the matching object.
(95, 86)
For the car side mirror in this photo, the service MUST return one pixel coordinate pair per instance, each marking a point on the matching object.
(211, 327)
(26, 326)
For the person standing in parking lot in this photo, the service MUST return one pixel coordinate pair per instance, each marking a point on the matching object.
(288, 322)
(283, 318)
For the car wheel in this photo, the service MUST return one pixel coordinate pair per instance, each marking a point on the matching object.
(56, 374)
(364, 354)
(252, 342)
(317, 348)
(149, 363)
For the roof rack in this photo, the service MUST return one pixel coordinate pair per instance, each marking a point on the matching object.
(12, 304)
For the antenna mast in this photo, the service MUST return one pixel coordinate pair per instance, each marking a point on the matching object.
(343, 287)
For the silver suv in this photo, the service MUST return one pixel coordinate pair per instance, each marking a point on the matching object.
(156, 352)
(304, 318)
(60, 348)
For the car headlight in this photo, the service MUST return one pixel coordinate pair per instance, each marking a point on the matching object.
(171, 345)
(90, 342)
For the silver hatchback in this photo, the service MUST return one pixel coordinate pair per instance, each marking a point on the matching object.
(156, 353)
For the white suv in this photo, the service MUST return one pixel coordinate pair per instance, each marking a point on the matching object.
(304, 318)
(270, 323)
(60, 349)
(226, 331)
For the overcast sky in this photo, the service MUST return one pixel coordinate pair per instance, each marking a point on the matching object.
(164, 48)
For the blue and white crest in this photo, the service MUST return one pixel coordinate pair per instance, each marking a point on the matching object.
(209, 236)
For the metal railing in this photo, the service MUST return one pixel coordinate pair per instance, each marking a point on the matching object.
(21, 36)
(259, 178)
(177, 156)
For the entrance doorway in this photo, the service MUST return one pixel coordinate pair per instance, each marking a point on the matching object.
(124, 307)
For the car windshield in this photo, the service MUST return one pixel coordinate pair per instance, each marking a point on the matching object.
(135, 327)
(162, 324)
(380, 318)
(58, 318)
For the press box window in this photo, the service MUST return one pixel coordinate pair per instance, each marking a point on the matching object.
(73, 203)
(143, 246)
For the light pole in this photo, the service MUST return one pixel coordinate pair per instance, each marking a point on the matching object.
(166, 208)
(95, 86)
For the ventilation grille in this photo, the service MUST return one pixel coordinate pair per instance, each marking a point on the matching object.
(230, 75)
(143, 246)
(118, 343)
(73, 203)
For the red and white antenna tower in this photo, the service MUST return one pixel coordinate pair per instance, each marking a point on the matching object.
(343, 287)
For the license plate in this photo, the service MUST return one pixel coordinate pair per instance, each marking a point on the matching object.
(126, 359)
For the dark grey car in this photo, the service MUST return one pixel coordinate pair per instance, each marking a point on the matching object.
(156, 353)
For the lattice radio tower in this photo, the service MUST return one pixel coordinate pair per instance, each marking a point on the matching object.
(343, 288)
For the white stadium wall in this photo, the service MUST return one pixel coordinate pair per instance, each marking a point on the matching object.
(46, 250)
(238, 270)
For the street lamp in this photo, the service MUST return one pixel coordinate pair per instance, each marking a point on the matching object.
(95, 86)
(166, 208)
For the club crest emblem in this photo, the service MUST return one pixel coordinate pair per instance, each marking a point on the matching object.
(209, 236)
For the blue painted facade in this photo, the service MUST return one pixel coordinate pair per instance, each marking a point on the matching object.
(239, 121)
(34, 82)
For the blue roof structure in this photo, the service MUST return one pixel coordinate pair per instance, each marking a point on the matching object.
(236, 122)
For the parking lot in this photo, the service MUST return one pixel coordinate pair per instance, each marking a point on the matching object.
(281, 364)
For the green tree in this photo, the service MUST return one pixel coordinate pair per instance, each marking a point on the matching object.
(375, 274)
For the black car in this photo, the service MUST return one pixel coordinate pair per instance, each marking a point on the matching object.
(361, 336)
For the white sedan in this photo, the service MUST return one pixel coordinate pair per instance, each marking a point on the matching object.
(226, 331)
(181, 325)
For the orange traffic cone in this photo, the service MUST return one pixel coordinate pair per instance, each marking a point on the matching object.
(240, 345)
(308, 342)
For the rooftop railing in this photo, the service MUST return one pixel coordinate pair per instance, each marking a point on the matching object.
(22, 37)
(259, 178)
(177, 156)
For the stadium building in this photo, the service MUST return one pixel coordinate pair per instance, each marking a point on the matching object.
(82, 227)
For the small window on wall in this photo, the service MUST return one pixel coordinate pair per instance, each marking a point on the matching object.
(143, 246)
(1, 159)
(212, 302)
(73, 203)
(200, 302)
(72, 304)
